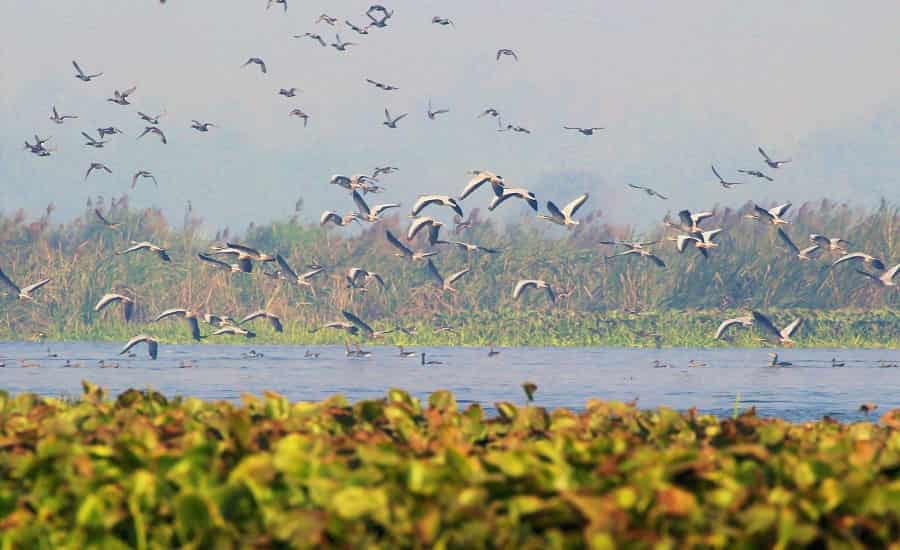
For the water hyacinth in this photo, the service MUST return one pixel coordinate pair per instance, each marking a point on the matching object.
(146, 471)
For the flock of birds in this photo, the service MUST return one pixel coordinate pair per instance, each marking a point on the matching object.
(423, 240)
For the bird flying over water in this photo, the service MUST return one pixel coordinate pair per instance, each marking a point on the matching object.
(805, 254)
(771, 332)
(189, 317)
(273, 319)
(112, 298)
(24, 293)
(442, 200)
(746, 321)
(445, 284)
(152, 345)
(770, 162)
(288, 273)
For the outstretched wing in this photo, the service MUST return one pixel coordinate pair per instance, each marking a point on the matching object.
(359, 323)
(397, 244)
(573, 206)
(787, 240)
(792, 328)
(8, 282)
(522, 285)
(361, 203)
(286, 267)
(771, 333)
(763, 153)
(716, 172)
(433, 271)
(730, 323)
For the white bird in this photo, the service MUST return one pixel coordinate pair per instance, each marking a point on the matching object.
(333, 217)
(423, 222)
(770, 162)
(517, 192)
(152, 345)
(288, 273)
(81, 74)
(138, 246)
(443, 200)
(96, 166)
(446, 284)
(564, 217)
(690, 223)
(189, 316)
(771, 332)
(642, 253)
(405, 251)
(525, 284)
(886, 279)
(58, 118)
(505, 51)
(832, 244)
(256, 61)
(231, 330)
(370, 214)
(805, 254)
(702, 241)
(746, 321)
(772, 216)
(355, 273)
(156, 131)
(121, 98)
(866, 259)
(273, 319)
(392, 122)
(479, 178)
(111, 298)
(143, 174)
(25, 292)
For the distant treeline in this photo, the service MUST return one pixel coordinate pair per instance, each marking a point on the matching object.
(751, 268)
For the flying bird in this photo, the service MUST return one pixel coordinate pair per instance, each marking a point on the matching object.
(233, 268)
(651, 192)
(584, 131)
(432, 114)
(445, 284)
(423, 222)
(526, 284)
(24, 293)
(442, 21)
(517, 192)
(189, 317)
(771, 216)
(865, 258)
(96, 166)
(805, 254)
(770, 162)
(442, 200)
(886, 279)
(156, 131)
(564, 217)
(370, 214)
(325, 18)
(341, 46)
(150, 247)
(333, 217)
(202, 126)
(381, 85)
(300, 114)
(312, 36)
(58, 118)
(81, 74)
(386, 170)
(273, 319)
(469, 247)
(354, 28)
(95, 143)
(152, 345)
(152, 120)
(354, 274)
(288, 92)
(504, 51)
(756, 174)
(379, 22)
(231, 330)
(283, 3)
(121, 98)
(256, 61)
(303, 279)
(405, 251)
(490, 111)
(746, 322)
(832, 244)
(392, 122)
(641, 253)
(771, 332)
(113, 298)
(143, 174)
(104, 221)
(479, 178)
(723, 182)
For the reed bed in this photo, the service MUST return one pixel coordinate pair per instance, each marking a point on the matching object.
(682, 304)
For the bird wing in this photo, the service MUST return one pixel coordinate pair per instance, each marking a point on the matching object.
(170, 312)
(787, 240)
(6, 280)
(362, 325)
(791, 328)
(730, 323)
(555, 212)
(522, 285)
(101, 217)
(416, 225)
(89, 138)
(433, 271)
(399, 245)
(361, 203)
(108, 299)
(329, 216)
(763, 153)
(686, 219)
(637, 187)
(716, 172)
(152, 344)
(655, 259)
(781, 209)
(849, 257)
(77, 68)
(763, 212)
(214, 261)
(819, 239)
(571, 208)
(286, 267)
(891, 273)
(135, 247)
(771, 333)
(683, 240)
(310, 274)
(473, 184)
(453, 278)
(379, 208)
(252, 316)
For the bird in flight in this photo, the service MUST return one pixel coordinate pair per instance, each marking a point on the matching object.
(300, 114)
(143, 174)
(150, 247)
(357, 30)
(770, 162)
(445, 284)
(526, 284)
(256, 61)
(490, 111)
(341, 46)
(805, 254)
(392, 122)
(95, 143)
(886, 279)
(312, 36)
(96, 166)
(442, 21)
(756, 174)
(202, 126)
(152, 345)
(722, 182)
(379, 22)
(651, 192)
(772, 216)
(121, 98)
(432, 114)
(370, 214)
(288, 92)
(584, 131)
(81, 74)
(154, 130)
(381, 85)
(405, 251)
(109, 131)
(564, 217)
(505, 51)
(58, 118)
(771, 332)
(282, 2)
(479, 178)
(104, 221)
(153, 120)
(23, 293)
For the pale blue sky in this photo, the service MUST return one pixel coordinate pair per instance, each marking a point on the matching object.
(678, 86)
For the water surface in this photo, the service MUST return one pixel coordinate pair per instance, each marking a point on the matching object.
(566, 377)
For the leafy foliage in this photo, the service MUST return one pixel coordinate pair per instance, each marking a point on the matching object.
(144, 471)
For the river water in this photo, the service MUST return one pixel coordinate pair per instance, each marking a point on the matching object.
(566, 377)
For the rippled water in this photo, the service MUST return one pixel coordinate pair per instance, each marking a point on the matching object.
(566, 377)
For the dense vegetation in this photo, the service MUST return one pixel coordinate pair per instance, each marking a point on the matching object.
(750, 269)
(146, 472)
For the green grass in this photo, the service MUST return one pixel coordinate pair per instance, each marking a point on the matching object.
(143, 471)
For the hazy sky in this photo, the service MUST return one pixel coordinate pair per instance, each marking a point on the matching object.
(677, 85)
